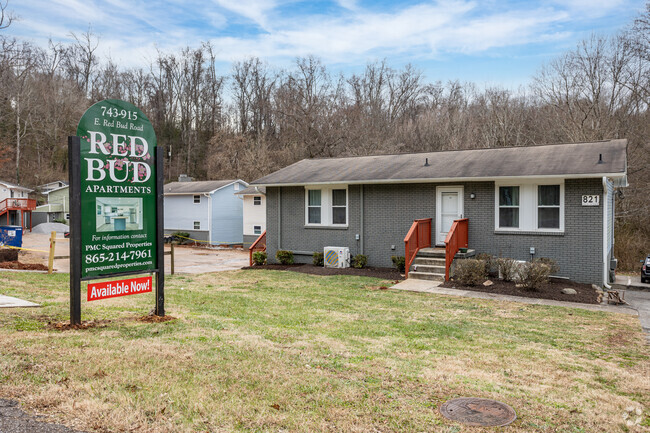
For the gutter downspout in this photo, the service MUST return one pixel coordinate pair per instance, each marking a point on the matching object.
(209, 196)
(279, 218)
(362, 220)
(605, 264)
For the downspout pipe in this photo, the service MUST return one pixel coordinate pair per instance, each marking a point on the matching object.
(605, 264)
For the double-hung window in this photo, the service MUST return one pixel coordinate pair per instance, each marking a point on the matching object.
(257, 200)
(314, 206)
(548, 207)
(197, 199)
(509, 206)
(530, 206)
(326, 206)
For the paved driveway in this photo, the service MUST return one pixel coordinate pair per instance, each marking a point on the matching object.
(640, 300)
(188, 260)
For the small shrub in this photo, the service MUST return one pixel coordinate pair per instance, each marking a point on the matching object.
(259, 258)
(552, 264)
(399, 262)
(359, 261)
(180, 237)
(509, 269)
(284, 257)
(534, 275)
(491, 265)
(470, 272)
(318, 259)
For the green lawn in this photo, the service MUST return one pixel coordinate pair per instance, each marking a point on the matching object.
(284, 352)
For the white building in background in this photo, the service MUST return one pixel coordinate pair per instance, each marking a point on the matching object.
(254, 213)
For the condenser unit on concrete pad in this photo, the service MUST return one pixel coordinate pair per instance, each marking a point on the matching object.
(336, 257)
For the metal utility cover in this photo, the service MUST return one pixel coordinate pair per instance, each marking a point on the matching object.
(478, 412)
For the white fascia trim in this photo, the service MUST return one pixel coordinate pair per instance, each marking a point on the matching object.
(231, 183)
(447, 179)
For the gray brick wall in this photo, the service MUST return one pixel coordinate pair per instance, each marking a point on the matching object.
(389, 211)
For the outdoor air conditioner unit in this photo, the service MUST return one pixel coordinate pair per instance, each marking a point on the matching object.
(336, 257)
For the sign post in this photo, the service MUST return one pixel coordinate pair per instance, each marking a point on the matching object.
(116, 222)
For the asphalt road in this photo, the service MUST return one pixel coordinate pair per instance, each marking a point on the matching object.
(15, 420)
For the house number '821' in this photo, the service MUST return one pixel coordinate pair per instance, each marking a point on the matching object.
(590, 200)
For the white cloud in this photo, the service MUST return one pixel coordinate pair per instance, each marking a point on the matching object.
(254, 10)
(421, 30)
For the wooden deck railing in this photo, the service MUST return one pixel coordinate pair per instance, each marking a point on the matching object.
(258, 245)
(456, 238)
(25, 204)
(418, 237)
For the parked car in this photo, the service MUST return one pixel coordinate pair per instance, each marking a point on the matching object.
(645, 270)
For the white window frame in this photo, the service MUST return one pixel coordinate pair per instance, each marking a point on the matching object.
(500, 206)
(257, 230)
(528, 205)
(195, 225)
(257, 200)
(326, 205)
(194, 198)
(538, 207)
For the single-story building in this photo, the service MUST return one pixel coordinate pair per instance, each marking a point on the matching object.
(254, 198)
(207, 210)
(57, 207)
(15, 205)
(553, 201)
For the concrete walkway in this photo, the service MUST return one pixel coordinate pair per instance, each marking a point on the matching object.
(434, 287)
(11, 302)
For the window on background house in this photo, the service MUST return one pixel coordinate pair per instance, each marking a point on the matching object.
(509, 206)
(257, 230)
(314, 197)
(197, 225)
(197, 199)
(548, 206)
(257, 201)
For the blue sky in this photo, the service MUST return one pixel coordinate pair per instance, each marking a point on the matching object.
(489, 42)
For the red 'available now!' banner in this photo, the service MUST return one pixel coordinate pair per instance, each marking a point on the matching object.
(112, 289)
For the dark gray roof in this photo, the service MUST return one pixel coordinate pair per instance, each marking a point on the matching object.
(562, 160)
(196, 187)
(252, 190)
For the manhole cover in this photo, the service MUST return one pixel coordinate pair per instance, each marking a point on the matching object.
(478, 412)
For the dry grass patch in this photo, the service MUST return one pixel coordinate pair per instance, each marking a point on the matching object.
(282, 351)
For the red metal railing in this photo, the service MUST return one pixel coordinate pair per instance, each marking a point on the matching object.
(456, 238)
(418, 237)
(17, 204)
(258, 245)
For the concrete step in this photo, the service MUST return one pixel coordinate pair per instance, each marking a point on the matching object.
(436, 269)
(432, 253)
(426, 276)
(440, 253)
(429, 261)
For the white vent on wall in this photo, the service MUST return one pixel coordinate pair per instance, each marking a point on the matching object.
(336, 257)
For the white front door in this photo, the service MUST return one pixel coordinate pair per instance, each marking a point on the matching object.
(449, 207)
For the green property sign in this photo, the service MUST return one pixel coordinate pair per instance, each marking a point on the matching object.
(118, 190)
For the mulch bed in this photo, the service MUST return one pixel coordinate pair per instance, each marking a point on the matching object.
(24, 266)
(585, 293)
(383, 273)
(66, 326)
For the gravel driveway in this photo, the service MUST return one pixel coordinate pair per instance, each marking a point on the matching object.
(188, 260)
